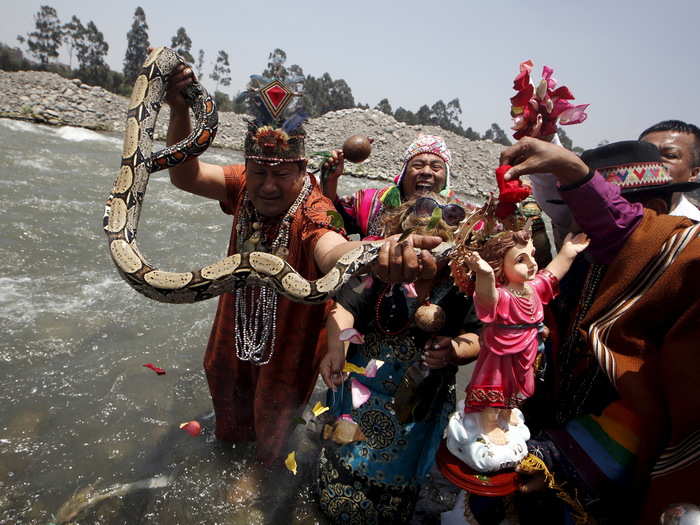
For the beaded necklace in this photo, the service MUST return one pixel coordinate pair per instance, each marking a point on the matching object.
(255, 320)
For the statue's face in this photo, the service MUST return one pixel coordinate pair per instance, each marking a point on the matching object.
(519, 264)
(273, 189)
(425, 173)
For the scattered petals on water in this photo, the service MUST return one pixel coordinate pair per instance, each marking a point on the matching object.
(360, 393)
(319, 409)
(372, 367)
(291, 462)
(352, 335)
(157, 370)
(193, 428)
(351, 367)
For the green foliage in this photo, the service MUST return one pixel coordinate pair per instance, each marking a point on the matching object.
(384, 106)
(72, 35)
(200, 63)
(182, 45)
(45, 41)
(435, 218)
(12, 59)
(275, 65)
(91, 52)
(324, 94)
(222, 70)
(136, 46)
(223, 102)
(564, 139)
(497, 135)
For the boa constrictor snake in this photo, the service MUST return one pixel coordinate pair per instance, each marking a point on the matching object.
(123, 208)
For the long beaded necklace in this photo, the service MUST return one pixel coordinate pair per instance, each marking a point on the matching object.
(255, 328)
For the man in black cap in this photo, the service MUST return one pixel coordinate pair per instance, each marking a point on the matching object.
(679, 144)
(621, 420)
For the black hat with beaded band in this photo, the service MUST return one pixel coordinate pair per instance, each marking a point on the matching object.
(635, 166)
(276, 134)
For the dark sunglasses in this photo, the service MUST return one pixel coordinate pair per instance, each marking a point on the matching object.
(452, 214)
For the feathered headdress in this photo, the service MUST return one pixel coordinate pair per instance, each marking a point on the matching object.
(276, 133)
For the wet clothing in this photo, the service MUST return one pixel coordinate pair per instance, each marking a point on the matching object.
(377, 478)
(623, 400)
(258, 403)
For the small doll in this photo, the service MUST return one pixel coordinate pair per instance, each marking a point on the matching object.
(489, 434)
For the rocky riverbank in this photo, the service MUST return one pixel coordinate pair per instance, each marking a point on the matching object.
(51, 99)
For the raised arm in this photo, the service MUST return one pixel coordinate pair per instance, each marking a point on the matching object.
(485, 293)
(193, 176)
(571, 247)
(599, 209)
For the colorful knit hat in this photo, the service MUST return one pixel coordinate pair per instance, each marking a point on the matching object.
(276, 135)
(634, 166)
(427, 144)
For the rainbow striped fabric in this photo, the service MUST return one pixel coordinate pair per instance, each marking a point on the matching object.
(609, 441)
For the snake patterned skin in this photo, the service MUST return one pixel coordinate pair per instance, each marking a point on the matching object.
(123, 208)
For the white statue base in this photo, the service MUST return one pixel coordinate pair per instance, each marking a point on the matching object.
(467, 440)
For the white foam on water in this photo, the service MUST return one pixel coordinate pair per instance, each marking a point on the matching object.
(20, 125)
(37, 163)
(74, 134)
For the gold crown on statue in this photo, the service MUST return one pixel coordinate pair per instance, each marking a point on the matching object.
(472, 235)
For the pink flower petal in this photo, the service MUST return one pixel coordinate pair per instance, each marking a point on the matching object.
(573, 115)
(352, 335)
(360, 393)
(547, 72)
(410, 289)
(526, 66)
(365, 283)
(193, 428)
(345, 417)
(156, 369)
(371, 369)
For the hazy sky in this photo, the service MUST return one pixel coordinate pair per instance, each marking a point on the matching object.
(633, 61)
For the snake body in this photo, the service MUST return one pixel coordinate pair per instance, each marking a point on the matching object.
(123, 208)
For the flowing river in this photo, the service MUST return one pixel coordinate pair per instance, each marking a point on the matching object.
(87, 433)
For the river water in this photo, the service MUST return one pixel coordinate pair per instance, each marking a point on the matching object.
(80, 416)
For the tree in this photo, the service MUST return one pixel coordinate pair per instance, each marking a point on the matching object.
(222, 71)
(404, 115)
(564, 139)
(275, 65)
(136, 46)
(45, 41)
(91, 52)
(384, 106)
(182, 44)
(496, 134)
(223, 102)
(72, 35)
(200, 63)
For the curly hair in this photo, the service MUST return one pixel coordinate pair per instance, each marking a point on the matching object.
(495, 249)
(401, 219)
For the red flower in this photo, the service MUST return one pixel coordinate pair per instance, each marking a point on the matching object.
(547, 101)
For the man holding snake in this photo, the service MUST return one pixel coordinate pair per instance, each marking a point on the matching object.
(264, 350)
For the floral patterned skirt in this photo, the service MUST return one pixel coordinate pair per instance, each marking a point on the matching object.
(347, 497)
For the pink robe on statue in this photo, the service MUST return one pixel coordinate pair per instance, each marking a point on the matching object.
(503, 376)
